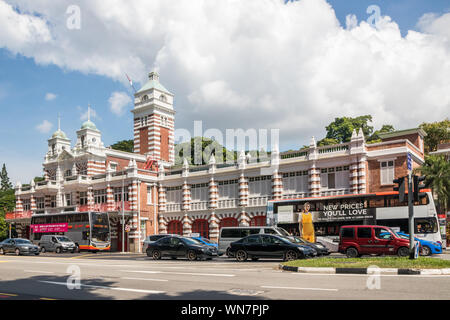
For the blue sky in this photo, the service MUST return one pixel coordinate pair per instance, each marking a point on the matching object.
(24, 85)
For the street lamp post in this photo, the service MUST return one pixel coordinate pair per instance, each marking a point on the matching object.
(123, 217)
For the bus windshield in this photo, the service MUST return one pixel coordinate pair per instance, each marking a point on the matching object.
(100, 227)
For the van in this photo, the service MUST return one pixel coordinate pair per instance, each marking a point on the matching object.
(355, 241)
(56, 243)
(231, 234)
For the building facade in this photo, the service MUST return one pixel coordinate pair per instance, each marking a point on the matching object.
(161, 198)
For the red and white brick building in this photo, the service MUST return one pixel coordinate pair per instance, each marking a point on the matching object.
(161, 198)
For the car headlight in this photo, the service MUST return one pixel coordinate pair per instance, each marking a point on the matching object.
(26, 247)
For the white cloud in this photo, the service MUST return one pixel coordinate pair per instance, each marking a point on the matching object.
(118, 102)
(253, 63)
(50, 96)
(44, 127)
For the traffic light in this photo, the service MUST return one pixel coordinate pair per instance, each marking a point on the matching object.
(400, 188)
(417, 187)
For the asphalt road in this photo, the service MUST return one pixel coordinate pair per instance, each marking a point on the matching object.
(116, 276)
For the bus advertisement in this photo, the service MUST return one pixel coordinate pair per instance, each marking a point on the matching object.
(88, 230)
(330, 213)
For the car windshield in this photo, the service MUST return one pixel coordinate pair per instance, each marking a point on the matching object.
(23, 241)
(192, 241)
(283, 232)
(63, 239)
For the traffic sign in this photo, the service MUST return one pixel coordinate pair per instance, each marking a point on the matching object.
(409, 161)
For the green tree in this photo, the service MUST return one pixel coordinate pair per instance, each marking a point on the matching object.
(7, 204)
(5, 183)
(341, 129)
(437, 171)
(375, 137)
(199, 148)
(124, 145)
(437, 132)
(327, 142)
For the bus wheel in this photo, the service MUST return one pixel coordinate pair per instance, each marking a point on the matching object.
(156, 255)
(403, 252)
(352, 253)
(426, 251)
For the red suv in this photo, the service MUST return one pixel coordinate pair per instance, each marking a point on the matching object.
(358, 240)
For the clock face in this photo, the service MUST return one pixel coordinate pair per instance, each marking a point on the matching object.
(93, 140)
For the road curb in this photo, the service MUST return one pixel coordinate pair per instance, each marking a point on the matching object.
(392, 271)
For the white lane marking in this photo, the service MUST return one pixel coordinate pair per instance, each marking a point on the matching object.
(366, 275)
(293, 288)
(37, 271)
(144, 279)
(183, 273)
(103, 287)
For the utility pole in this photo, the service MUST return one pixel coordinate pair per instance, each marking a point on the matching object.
(123, 217)
(411, 216)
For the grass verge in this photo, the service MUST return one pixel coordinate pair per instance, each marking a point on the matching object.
(381, 262)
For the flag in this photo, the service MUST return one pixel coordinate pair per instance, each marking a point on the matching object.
(131, 82)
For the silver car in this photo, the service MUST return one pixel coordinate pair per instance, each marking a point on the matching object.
(56, 243)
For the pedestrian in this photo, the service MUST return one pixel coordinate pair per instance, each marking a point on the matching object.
(306, 225)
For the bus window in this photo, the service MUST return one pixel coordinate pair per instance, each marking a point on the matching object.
(85, 235)
(425, 225)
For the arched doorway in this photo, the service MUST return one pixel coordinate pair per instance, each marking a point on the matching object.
(229, 222)
(201, 226)
(258, 221)
(175, 227)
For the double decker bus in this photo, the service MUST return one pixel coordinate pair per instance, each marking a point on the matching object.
(330, 213)
(88, 230)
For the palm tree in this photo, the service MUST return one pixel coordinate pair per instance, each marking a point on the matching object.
(437, 171)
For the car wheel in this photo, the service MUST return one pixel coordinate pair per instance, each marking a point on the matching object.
(77, 248)
(17, 252)
(156, 254)
(403, 252)
(2, 251)
(352, 253)
(36, 254)
(255, 259)
(58, 250)
(290, 255)
(42, 249)
(173, 258)
(192, 256)
(426, 251)
(241, 256)
(229, 254)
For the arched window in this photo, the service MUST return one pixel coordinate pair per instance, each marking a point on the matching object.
(163, 98)
(144, 98)
(175, 227)
(201, 226)
(229, 222)
(258, 221)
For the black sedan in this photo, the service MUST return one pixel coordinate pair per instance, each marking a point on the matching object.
(319, 247)
(269, 246)
(18, 247)
(180, 247)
